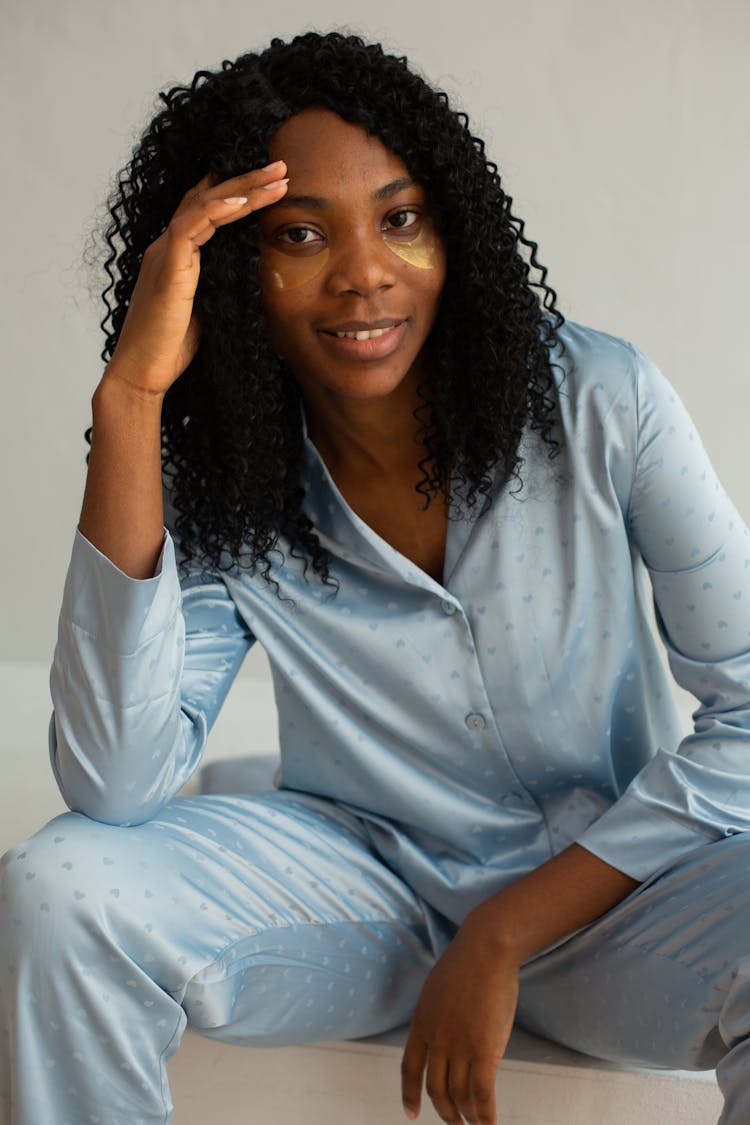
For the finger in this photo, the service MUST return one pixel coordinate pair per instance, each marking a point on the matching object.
(412, 1068)
(192, 229)
(482, 1092)
(459, 1087)
(208, 213)
(436, 1084)
(208, 181)
(239, 185)
(209, 188)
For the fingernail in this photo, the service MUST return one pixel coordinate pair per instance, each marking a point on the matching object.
(276, 164)
(236, 200)
(410, 1113)
(275, 184)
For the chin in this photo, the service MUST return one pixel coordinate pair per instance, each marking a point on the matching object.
(355, 382)
(364, 385)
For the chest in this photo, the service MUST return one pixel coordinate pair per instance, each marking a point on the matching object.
(398, 516)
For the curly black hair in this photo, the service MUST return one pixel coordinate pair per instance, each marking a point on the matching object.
(232, 430)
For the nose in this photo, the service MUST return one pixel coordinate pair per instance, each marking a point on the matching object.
(361, 264)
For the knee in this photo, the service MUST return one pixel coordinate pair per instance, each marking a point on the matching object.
(52, 884)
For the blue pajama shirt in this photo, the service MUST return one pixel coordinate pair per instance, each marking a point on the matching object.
(438, 741)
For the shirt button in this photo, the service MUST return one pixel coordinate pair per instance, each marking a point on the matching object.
(475, 721)
(448, 608)
(511, 800)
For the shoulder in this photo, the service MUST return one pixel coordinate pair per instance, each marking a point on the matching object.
(600, 389)
(594, 365)
(606, 383)
(601, 377)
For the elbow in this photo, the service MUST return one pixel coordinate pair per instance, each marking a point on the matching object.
(116, 809)
(123, 787)
(122, 805)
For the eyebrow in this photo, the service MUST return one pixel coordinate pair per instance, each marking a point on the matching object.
(377, 196)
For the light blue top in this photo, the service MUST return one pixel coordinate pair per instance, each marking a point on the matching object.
(477, 726)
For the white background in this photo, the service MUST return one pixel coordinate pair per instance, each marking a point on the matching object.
(622, 132)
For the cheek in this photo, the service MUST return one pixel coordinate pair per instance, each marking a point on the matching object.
(281, 272)
(425, 252)
(283, 309)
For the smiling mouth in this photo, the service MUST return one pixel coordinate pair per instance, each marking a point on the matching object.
(362, 331)
(371, 334)
(365, 344)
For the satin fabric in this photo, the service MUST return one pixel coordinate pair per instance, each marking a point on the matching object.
(263, 921)
(438, 739)
(475, 726)
(268, 920)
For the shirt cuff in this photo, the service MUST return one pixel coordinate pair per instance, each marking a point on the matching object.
(121, 612)
(640, 841)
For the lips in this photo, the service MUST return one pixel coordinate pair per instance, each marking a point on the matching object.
(389, 336)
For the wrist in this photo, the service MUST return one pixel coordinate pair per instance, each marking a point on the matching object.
(121, 384)
(490, 926)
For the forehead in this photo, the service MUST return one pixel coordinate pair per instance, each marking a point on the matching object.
(321, 149)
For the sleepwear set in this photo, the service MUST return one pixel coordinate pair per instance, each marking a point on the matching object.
(438, 741)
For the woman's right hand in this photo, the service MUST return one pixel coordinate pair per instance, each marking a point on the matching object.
(161, 333)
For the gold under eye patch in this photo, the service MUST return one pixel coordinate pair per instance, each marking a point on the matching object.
(283, 271)
(422, 251)
(279, 270)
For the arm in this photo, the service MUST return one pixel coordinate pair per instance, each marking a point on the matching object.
(122, 511)
(697, 550)
(563, 895)
(464, 1017)
(138, 677)
(140, 672)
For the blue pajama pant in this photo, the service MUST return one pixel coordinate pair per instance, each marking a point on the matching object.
(269, 920)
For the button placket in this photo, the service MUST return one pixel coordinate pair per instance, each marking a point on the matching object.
(483, 722)
(474, 720)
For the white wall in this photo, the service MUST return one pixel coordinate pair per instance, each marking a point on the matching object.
(622, 131)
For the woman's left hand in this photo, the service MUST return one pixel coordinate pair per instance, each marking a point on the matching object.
(460, 1029)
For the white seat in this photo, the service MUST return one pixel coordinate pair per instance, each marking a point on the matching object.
(358, 1083)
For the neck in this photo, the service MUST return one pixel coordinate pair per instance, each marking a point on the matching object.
(363, 439)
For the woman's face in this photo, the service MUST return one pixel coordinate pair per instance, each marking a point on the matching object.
(351, 248)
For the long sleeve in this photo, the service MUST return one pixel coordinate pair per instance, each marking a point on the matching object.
(140, 671)
(697, 551)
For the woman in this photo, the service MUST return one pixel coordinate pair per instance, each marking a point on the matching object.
(433, 502)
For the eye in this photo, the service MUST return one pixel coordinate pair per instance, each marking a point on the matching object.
(403, 219)
(298, 236)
